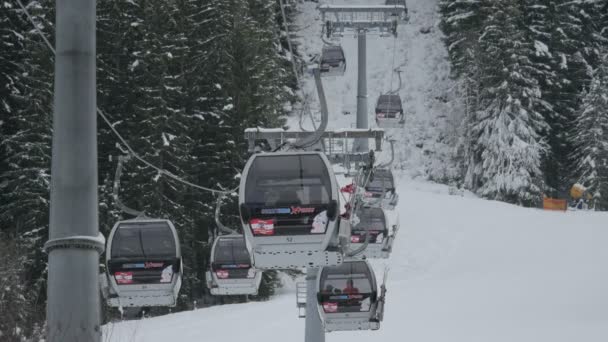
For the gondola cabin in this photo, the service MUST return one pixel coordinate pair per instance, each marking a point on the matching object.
(372, 224)
(348, 298)
(403, 14)
(143, 264)
(333, 61)
(389, 111)
(289, 205)
(380, 190)
(232, 271)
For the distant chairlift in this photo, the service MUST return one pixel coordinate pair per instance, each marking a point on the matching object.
(348, 297)
(380, 190)
(403, 15)
(333, 61)
(389, 111)
(373, 222)
(232, 271)
(143, 264)
(289, 204)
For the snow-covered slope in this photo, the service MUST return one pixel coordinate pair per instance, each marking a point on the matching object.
(463, 270)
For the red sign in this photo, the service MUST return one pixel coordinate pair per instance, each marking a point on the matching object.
(222, 274)
(123, 277)
(262, 227)
(300, 210)
(154, 264)
(330, 307)
(350, 188)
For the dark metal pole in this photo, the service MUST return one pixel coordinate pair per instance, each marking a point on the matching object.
(314, 330)
(73, 310)
(362, 145)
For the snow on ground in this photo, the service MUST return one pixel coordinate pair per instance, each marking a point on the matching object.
(463, 269)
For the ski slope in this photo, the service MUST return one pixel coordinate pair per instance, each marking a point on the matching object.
(463, 269)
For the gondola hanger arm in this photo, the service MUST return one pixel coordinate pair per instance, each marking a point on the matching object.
(116, 189)
(392, 142)
(219, 224)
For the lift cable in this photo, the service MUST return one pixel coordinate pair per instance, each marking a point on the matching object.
(305, 104)
(161, 171)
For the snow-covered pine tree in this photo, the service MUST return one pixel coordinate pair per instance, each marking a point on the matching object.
(26, 150)
(18, 316)
(540, 25)
(461, 22)
(590, 136)
(12, 67)
(507, 145)
(117, 23)
(16, 309)
(573, 49)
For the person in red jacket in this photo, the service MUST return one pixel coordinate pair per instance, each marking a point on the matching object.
(350, 288)
(352, 304)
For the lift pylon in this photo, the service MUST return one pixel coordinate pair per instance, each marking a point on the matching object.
(338, 18)
(361, 19)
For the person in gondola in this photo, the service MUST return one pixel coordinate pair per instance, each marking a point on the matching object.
(350, 287)
(354, 302)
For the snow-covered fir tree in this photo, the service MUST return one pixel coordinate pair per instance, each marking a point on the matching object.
(590, 136)
(25, 149)
(506, 132)
(556, 45)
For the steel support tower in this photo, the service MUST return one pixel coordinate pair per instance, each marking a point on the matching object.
(361, 20)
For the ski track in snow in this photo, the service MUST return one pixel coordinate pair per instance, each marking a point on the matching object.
(463, 269)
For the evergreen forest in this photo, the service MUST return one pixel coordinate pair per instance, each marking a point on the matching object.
(181, 80)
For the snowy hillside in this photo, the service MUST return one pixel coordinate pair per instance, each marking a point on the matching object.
(426, 90)
(463, 270)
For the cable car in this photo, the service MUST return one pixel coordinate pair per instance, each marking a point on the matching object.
(380, 190)
(404, 15)
(232, 271)
(389, 111)
(375, 223)
(289, 205)
(143, 264)
(348, 298)
(333, 62)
